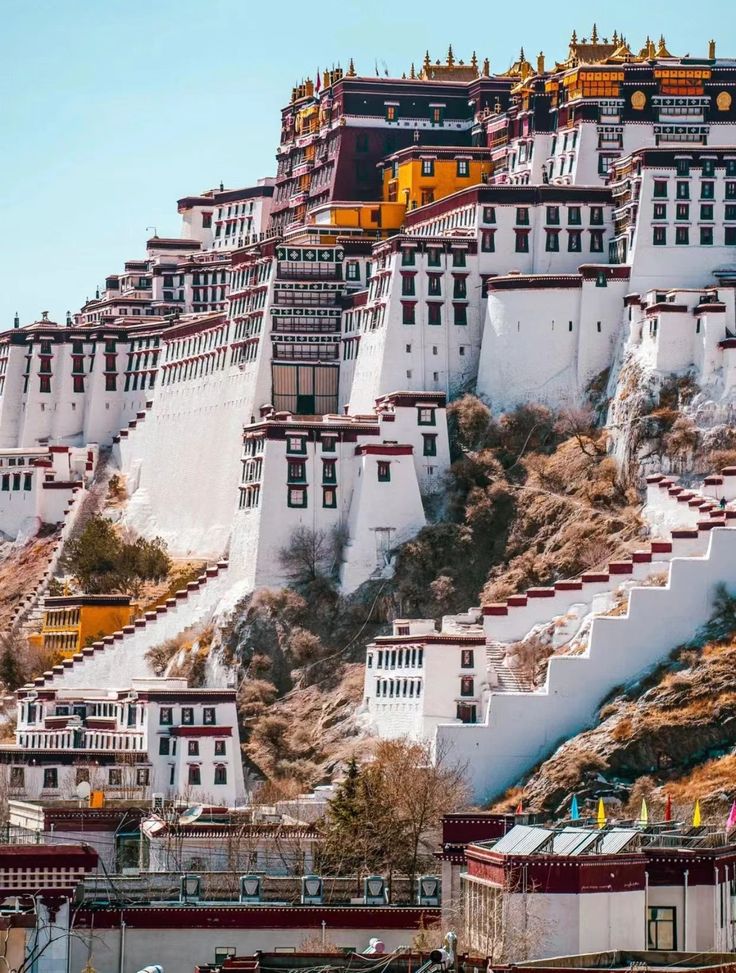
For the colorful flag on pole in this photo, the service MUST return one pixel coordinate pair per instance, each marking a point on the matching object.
(601, 816)
(644, 813)
(318, 83)
(574, 812)
(519, 809)
(696, 815)
(731, 823)
(668, 808)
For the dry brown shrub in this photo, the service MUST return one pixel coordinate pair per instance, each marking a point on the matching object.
(623, 730)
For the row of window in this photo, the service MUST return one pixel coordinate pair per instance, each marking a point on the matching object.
(166, 716)
(296, 496)
(434, 286)
(682, 189)
(434, 313)
(552, 215)
(390, 688)
(167, 747)
(552, 241)
(434, 257)
(116, 776)
(705, 237)
(13, 481)
(411, 656)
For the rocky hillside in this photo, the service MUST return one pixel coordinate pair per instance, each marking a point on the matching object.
(672, 734)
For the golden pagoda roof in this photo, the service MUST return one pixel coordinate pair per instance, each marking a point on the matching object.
(450, 70)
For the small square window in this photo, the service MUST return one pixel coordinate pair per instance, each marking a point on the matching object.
(489, 214)
(706, 211)
(115, 777)
(297, 471)
(553, 215)
(731, 190)
(50, 778)
(434, 314)
(522, 216)
(683, 211)
(574, 241)
(296, 444)
(596, 241)
(459, 258)
(434, 257)
(730, 213)
(187, 715)
(467, 686)
(329, 471)
(682, 167)
(408, 257)
(430, 444)
(407, 285)
(463, 168)
(682, 235)
(427, 167)
(707, 190)
(709, 168)
(660, 189)
(660, 211)
(297, 496)
(596, 216)
(328, 444)
(329, 497)
(522, 241)
(730, 236)
(467, 660)
(426, 416)
(165, 716)
(659, 236)
(193, 748)
(220, 775)
(408, 313)
(208, 716)
(488, 241)
(220, 748)
(163, 746)
(552, 241)
(142, 776)
(384, 471)
(434, 285)
(460, 312)
(574, 216)
(683, 190)
(194, 776)
(706, 236)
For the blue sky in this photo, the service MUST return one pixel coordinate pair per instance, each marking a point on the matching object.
(110, 110)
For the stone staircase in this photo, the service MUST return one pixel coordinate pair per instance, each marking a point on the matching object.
(502, 678)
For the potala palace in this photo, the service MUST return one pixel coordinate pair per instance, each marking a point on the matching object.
(287, 360)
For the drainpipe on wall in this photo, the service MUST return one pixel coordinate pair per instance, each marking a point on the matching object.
(717, 934)
(684, 911)
(121, 968)
(646, 910)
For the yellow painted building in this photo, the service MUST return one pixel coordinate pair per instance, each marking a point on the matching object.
(72, 622)
(376, 219)
(422, 174)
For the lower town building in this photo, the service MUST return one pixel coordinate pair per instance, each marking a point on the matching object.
(153, 738)
(540, 891)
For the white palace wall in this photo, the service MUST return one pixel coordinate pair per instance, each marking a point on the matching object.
(520, 729)
(544, 341)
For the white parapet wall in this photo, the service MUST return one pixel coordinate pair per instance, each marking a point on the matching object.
(520, 729)
(117, 659)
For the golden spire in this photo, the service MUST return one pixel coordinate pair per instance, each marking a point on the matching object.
(351, 69)
(651, 51)
(594, 35)
(412, 71)
(712, 50)
(427, 62)
(486, 68)
(540, 62)
(662, 49)
(574, 39)
(614, 39)
(474, 61)
(450, 57)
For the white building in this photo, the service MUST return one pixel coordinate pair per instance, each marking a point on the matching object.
(155, 737)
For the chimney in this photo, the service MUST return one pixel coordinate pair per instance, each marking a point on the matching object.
(540, 63)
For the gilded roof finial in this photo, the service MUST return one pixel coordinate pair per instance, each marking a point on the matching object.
(651, 50)
(594, 35)
(662, 49)
(412, 71)
(450, 57)
(486, 68)
(614, 39)
(574, 39)
(474, 61)
(351, 69)
(427, 62)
